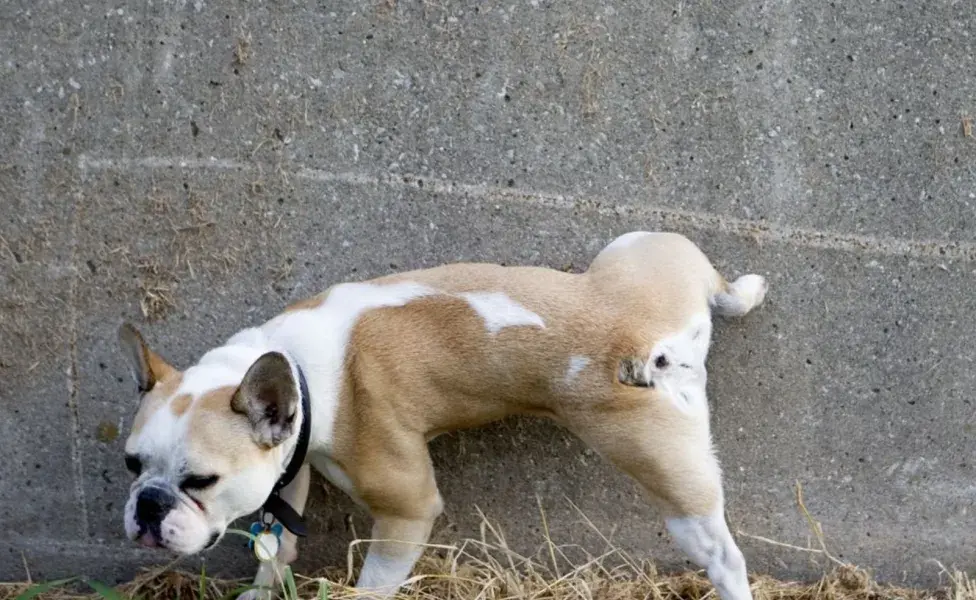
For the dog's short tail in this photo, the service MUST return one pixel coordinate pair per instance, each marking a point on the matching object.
(739, 297)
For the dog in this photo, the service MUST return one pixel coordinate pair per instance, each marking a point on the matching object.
(357, 380)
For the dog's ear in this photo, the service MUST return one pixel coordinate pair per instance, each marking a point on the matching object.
(268, 396)
(147, 366)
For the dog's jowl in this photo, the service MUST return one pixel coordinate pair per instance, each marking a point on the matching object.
(355, 381)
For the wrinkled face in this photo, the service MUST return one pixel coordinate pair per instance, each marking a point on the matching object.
(194, 451)
(196, 469)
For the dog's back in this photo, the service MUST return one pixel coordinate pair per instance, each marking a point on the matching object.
(532, 339)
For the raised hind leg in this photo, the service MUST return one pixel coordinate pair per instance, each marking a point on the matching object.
(669, 452)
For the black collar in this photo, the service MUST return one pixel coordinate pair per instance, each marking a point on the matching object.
(275, 505)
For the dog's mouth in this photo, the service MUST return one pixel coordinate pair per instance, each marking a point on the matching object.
(149, 540)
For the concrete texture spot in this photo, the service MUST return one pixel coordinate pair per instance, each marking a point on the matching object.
(107, 432)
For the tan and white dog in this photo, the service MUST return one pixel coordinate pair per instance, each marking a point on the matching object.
(616, 355)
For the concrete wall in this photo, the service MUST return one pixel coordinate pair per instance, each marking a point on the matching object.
(203, 163)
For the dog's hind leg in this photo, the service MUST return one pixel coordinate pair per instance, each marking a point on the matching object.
(669, 452)
(708, 542)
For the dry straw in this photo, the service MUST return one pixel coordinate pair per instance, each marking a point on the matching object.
(485, 568)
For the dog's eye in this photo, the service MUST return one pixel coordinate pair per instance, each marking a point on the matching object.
(198, 482)
(133, 464)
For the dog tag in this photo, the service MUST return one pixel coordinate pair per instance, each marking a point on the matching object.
(266, 540)
(266, 546)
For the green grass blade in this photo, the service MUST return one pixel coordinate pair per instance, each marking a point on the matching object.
(40, 588)
(325, 592)
(292, 589)
(105, 591)
(243, 533)
(203, 583)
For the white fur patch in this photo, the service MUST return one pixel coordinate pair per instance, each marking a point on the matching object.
(708, 543)
(224, 365)
(184, 530)
(752, 286)
(157, 437)
(576, 366)
(687, 348)
(676, 365)
(383, 575)
(499, 311)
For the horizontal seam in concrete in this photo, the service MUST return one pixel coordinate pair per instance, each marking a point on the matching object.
(945, 250)
(71, 547)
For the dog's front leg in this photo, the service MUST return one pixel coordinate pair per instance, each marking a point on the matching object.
(396, 481)
(396, 546)
(270, 572)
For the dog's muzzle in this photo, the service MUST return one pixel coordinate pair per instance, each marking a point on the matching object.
(152, 506)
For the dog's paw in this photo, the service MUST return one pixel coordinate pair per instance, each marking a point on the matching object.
(256, 594)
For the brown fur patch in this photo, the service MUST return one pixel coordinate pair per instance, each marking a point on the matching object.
(221, 435)
(180, 404)
(156, 398)
(161, 369)
(217, 400)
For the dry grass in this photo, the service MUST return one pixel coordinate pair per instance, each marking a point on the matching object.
(487, 569)
(29, 311)
(188, 237)
(242, 50)
(473, 572)
(157, 284)
(442, 579)
(578, 45)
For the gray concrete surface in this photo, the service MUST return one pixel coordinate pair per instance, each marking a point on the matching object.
(200, 164)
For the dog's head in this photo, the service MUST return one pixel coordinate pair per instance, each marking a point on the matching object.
(207, 445)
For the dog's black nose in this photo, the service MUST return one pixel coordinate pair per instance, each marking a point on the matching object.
(153, 504)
